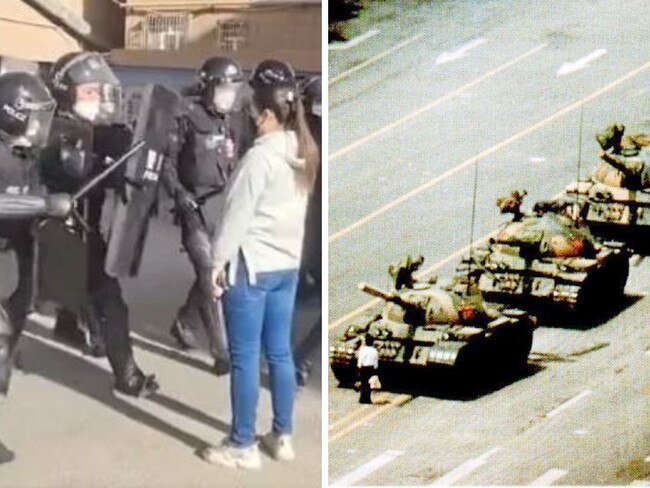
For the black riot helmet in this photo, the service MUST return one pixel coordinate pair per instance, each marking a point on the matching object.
(312, 91)
(273, 72)
(84, 85)
(26, 110)
(220, 80)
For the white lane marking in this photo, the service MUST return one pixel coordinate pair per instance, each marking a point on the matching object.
(338, 46)
(581, 432)
(537, 159)
(461, 52)
(548, 478)
(582, 63)
(448, 96)
(568, 403)
(368, 468)
(374, 59)
(647, 460)
(464, 469)
(640, 483)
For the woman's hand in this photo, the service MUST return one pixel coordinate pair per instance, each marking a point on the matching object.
(219, 282)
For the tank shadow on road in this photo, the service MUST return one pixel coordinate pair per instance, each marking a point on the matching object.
(89, 380)
(449, 386)
(568, 321)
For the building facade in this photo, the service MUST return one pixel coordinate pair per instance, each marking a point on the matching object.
(44, 30)
(180, 34)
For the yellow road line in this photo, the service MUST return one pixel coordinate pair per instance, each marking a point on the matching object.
(487, 152)
(395, 402)
(381, 398)
(373, 135)
(374, 59)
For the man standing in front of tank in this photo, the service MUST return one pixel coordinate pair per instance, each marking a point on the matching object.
(367, 363)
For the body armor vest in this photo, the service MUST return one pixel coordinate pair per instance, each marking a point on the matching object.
(209, 150)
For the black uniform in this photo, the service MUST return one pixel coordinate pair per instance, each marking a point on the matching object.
(210, 146)
(312, 249)
(18, 176)
(26, 109)
(73, 156)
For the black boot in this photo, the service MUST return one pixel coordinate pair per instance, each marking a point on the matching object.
(137, 384)
(67, 329)
(221, 366)
(184, 336)
(303, 371)
(95, 343)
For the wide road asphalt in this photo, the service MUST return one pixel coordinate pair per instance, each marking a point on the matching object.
(500, 86)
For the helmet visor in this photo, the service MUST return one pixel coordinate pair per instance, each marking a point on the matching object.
(34, 129)
(38, 126)
(91, 68)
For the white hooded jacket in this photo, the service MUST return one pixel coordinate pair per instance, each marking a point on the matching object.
(265, 207)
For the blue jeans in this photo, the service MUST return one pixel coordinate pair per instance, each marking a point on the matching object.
(260, 315)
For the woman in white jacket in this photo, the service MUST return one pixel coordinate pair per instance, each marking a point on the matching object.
(256, 255)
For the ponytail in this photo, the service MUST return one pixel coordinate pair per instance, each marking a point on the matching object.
(285, 102)
(307, 148)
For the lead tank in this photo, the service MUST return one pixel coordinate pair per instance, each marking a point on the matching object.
(546, 261)
(428, 328)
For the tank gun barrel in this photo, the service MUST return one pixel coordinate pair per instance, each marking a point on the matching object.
(387, 296)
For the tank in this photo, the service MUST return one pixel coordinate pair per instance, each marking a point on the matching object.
(429, 328)
(615, 200)
(546, 261)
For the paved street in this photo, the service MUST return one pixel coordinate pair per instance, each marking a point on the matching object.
(67, 429)
(441, 90)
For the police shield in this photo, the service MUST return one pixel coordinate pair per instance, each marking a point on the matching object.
(154, 125)
(61, 265)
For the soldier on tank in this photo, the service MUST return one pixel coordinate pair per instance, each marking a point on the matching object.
(26, 110)
(402, 272)
(213, 135)
(88, 96)
(626, 162)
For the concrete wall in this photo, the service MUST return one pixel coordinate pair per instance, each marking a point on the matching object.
(27, 33)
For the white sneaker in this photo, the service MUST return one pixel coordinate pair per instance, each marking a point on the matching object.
(278, 446)
(232, 456)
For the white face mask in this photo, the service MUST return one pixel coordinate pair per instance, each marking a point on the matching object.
(316, 109)
(224, 98)
(87, 109)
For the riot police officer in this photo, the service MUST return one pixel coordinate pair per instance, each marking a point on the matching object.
(213, 134)
(312, 249)
(26, 110)
(88, 95)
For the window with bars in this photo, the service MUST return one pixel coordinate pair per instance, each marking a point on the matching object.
(232, 34)
(167, 31)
